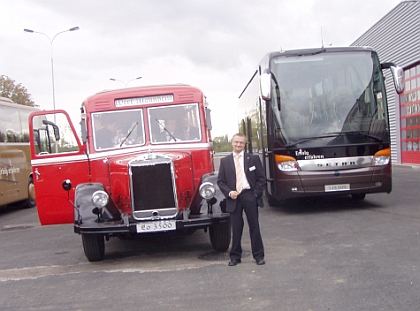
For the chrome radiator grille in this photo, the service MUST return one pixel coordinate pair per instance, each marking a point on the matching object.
(153, 192)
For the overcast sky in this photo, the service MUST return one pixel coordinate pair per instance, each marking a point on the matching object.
(212, 44)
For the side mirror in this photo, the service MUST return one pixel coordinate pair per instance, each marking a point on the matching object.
(55, 128)
(83, 130)
(265, 84)
(208, 119)
(398, 76)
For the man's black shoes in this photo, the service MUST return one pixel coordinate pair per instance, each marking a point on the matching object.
(260, 262)
(234, 262)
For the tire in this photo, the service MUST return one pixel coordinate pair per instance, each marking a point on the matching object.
(94, 246)
(220, 236)
(358, 196)
(273, 202)
(30, 202)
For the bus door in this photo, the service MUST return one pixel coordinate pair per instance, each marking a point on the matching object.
(57, 155)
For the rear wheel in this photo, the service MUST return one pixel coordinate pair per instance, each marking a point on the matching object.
(94, 246)
(358, 196)
(30, 201)
(220, 235)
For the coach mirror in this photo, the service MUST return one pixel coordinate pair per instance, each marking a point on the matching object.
(54, 127)
(397, 75)
(265, 84)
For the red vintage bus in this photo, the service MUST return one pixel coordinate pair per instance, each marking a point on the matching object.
(143, 165)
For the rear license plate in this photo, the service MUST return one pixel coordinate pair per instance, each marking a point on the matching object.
(341, 187)
(156, 226)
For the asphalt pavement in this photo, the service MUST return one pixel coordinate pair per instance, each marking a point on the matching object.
(321, 254)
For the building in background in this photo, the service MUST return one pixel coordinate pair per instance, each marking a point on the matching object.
(396, 38)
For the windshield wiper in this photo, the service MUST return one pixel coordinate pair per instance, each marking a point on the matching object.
(164, 128)
(312, 138)
(336, 134)
(129, 133)
(366, 135)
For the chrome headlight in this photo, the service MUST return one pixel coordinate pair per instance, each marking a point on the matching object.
(381, 160)
(288, 166)
(207, 190)
(100, 198)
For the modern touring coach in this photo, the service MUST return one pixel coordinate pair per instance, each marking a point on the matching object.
(319, 120)
(16, 182)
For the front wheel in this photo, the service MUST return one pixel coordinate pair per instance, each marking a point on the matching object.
(94, 246)
(220, 236)
(358, 196)
(30, 201)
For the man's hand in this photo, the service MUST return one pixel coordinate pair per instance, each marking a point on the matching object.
(234, 195)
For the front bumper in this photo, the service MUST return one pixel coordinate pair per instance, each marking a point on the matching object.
(128, 225)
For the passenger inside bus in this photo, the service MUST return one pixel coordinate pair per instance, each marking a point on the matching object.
(104, 137)
(187, 132)
(168, 133)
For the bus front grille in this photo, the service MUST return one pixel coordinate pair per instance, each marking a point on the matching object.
(153, 192)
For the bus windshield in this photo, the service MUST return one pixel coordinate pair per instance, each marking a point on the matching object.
(118, 129)
(174, 124)
(329, 95)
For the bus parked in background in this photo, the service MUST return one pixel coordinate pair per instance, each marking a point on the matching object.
(319, 119)
(144, 166)
(16, 183)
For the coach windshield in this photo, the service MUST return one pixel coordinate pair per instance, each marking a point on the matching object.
(330, 94)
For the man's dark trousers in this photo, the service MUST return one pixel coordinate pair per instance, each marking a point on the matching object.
(247, 203)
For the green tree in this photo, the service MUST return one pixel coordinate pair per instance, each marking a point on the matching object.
(16, 92)
(222, 144)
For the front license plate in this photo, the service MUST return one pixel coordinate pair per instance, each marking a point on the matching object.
(156, 226)
(341, 187)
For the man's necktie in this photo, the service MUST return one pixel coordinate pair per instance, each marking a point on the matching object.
(238, 170)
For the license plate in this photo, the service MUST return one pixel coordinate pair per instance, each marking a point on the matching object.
(341, 187)
(156, 226)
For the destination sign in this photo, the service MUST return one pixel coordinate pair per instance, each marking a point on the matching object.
(157, 99)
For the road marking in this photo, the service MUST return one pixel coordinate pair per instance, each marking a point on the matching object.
(136, 264)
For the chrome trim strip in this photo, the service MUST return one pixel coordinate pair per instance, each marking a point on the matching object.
(64, 158)
(335, 163)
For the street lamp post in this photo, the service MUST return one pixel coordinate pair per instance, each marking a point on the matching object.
(51, 49)
(112, 79)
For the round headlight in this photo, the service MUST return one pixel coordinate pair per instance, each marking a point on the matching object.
(100, 198)
(207, 190)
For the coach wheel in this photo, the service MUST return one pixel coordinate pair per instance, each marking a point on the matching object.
(30, 201)
(273, 202)
(94, 246)
(358, 196)
(220, 236)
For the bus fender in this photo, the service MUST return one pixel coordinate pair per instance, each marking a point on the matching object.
(86, 211)
(218, 202)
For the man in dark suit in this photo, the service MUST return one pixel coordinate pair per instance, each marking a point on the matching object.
(242, 180)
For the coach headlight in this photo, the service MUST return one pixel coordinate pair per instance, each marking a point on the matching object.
(286, 163)
(100, 198)
(207, 190)
(382, 157)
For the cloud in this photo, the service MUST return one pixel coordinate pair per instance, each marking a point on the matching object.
(212, 44)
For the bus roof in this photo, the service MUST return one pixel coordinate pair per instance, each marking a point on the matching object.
(314, 51)
(4, 101)
(107, 97)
